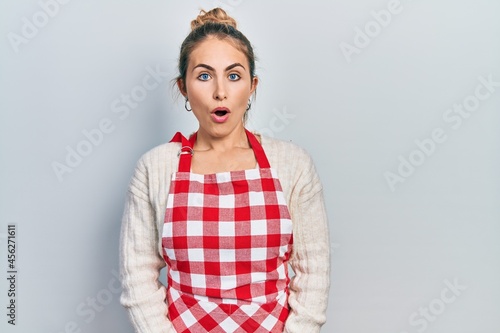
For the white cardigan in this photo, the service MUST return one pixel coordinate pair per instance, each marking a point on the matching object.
(141, 257)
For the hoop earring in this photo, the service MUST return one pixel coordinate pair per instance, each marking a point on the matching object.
(249, 105)
(186, 107)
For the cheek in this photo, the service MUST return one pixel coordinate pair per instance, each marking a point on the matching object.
(245, 97)
(198, 90)
(242, 91)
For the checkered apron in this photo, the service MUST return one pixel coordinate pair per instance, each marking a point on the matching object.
(227, 238)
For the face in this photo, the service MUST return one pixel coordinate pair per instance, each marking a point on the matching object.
(218, 85)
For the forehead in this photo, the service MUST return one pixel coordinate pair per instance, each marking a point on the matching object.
(217, 52)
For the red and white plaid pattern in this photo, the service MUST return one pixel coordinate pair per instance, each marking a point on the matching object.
(227, 238)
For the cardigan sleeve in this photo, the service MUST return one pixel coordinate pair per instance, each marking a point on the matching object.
(310, 259)
(143, 294)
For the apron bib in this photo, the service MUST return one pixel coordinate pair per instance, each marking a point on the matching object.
(226, 240)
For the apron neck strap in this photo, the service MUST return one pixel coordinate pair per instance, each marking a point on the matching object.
(186, 152)
(260, 156)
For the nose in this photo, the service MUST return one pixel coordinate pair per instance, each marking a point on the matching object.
(220, 92)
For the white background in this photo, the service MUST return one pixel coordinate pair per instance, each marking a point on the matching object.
(395, 251)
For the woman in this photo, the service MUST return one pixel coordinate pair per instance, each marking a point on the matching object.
(226, 210)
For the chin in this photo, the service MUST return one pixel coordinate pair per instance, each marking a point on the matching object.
(221, 130)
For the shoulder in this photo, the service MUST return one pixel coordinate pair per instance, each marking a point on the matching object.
(159, 159)
(292, 163)
(280, 150)
(153, 169)
(294, 166)
(165, 149)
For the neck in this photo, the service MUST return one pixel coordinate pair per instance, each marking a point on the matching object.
(236, 139)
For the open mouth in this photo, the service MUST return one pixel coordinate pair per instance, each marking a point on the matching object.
(221, 113)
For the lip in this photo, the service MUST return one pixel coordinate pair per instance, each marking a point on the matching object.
(220, 119)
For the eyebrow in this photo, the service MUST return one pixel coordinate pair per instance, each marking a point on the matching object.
(228, 68)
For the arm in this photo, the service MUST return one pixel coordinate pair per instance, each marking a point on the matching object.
(140, 263)
(310, 258)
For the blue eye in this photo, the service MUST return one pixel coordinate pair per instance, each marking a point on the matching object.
(204, 77)
(234, 77)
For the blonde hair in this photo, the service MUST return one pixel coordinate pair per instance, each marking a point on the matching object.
(216, 15)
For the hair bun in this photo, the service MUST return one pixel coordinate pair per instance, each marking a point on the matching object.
(216, 15)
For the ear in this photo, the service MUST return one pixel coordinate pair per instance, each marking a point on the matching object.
(255, 82)
(182, 87)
